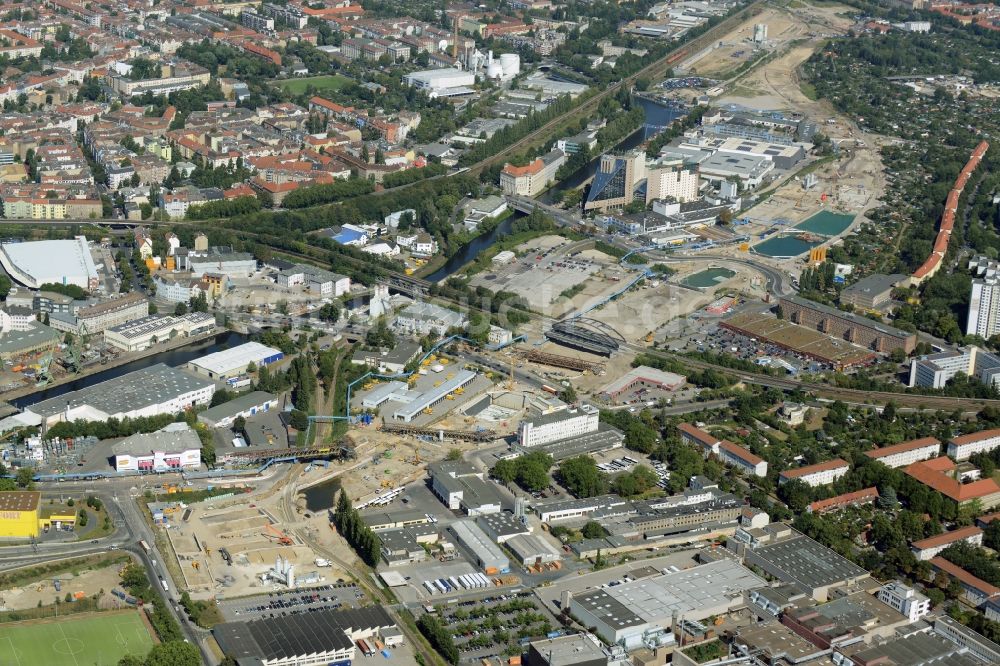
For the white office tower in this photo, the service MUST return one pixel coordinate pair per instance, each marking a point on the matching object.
(984, 308)
(671, 179)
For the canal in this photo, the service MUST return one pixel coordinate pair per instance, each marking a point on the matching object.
(174, 357)
(657, 114)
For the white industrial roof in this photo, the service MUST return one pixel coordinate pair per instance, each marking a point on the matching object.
(39, 262)
(230, 359)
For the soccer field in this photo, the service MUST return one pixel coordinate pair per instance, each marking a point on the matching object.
(91, 640)
(320, 83)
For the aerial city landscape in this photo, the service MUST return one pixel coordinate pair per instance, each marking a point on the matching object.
(541, 332)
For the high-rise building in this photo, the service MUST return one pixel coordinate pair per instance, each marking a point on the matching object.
(672, 179)
(615, 180)
(984, 308)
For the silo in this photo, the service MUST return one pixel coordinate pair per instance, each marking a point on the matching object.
(511, 63)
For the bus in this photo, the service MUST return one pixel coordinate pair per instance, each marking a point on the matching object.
(145, 546)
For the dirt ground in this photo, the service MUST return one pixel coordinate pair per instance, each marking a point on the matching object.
(736, 48)
(89, 582)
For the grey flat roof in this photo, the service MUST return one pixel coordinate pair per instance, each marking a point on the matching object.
(13, 341)
(169, 442)
(605, 437)
(808, 562)
(300, 635)
(502, 524)
(238, 404)
(148, 386)
(570, 650)
(916, 648)
(876, 283)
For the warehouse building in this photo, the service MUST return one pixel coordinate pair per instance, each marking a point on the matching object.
(533, 549)
(316, 280)
(50, 262)
(486, 554)
(158, 389)
(304, 639)
(19, 514)
(230, 264)
(164, 451)
(392, 360)
(872, 292)
(235, 361)
(38, 338)
(642, 377)
(143, 333)
(462, 487)
(428, 399)
(575, 650)
(246, 405)
(503, 526)
(624, 613)
(438, 81)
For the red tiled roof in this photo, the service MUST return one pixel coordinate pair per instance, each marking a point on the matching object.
(527, 170)
(965, 577)
(847, 499)
(975, 436)
(698, 434)
(812, 469)
(740, 452)
(902, 447)
(931, 476)
(960, 534)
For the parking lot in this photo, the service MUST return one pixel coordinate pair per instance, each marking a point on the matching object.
(274, 604)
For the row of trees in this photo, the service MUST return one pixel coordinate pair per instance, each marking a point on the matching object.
(361, 537)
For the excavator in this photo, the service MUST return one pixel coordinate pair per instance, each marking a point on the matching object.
(280, 537)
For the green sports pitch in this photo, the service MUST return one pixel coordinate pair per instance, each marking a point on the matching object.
(92, 640)
(320, 83)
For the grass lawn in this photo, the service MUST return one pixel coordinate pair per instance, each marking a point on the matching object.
(320, 83)
(100, 639)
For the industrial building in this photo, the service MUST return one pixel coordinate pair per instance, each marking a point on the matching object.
(316, 280)
(936, 370)
(141, 334)
(502, 527)
(158, 389)
(428, 399)
(486, 554)
(641, 377)
(854, 328)
(392, 360)
(304, 639)
(550, 511)
(246, 405)
(422, 318)
(438, 81)
(216, 260)
(462, 487)
(794, 558)
(35, 263)
(624, 613)
(101, 316)
(575, 650)
(158, 451)
(37, 338)
(235, 361)
(533, 549)
(907, 453)
(19, 514)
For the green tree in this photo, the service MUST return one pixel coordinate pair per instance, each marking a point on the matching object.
(25, 478)
(582, 478)
(593, 530)
(180, 309)
(173, 653)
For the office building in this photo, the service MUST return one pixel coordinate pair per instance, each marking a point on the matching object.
(907, 453)
(931, 547)
(936, 370)
(235, 361)
(165, 451)
(532, 179)
(613, 186)
(35, 263)
(421, 318)
(158, 389)
(672, 179)
(94, 319)
(854, 328)
(905, 600)
(820, 474)
(984, 308)
(560, 425)
(872, 292)
(964, 447)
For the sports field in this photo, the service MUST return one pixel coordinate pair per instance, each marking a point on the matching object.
(320, 83)
(100, 639)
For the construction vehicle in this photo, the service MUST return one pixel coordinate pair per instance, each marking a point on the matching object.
(196, 565)
(444, 361)
(649, 337)
(274, 533)
(450, 396)
(386, 483)
(459, 391)
(428, 410)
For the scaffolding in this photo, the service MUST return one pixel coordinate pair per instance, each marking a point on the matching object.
(568, 362)
(437, 433)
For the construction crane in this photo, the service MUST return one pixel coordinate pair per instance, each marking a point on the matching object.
(281, 537)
